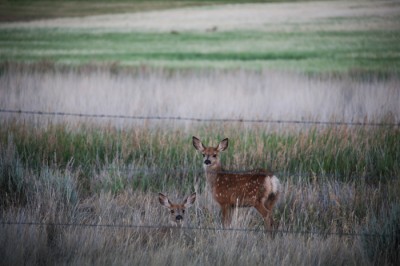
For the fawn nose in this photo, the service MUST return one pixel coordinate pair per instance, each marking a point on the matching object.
(179, 217)
(207, 162)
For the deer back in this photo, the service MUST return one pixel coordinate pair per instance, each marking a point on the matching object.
(242, 189)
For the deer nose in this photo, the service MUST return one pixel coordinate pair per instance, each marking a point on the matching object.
(207, 162)
(179, 217)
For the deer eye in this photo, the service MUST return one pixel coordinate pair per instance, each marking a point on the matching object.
(214, 155)
(183, 211)
(172, 211)
(204, 155)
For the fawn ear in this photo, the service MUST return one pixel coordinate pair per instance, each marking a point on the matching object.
(223, 145)
(189, 200)
(198, 145)
(164, 200)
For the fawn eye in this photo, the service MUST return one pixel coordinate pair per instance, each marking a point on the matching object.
(214, 155)
(172, 211)
(204, 155)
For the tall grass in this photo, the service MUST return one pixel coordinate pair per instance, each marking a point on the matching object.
(67, 193)
(239, 94)
(67, 175)
(66, 234)
(130, 154)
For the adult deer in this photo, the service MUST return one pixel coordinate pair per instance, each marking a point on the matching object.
(177, 211)
(257, 188)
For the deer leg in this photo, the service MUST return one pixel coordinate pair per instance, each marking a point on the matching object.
(226, 215)
(269, 205)
(266, 214)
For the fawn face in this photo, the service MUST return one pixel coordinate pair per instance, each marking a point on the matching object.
(210, 154)
(177, 211)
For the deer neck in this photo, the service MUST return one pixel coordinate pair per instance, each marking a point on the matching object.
(212, 173)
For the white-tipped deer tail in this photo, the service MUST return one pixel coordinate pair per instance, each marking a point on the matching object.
(275, 185)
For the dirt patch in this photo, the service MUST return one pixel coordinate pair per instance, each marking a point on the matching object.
(271, 16)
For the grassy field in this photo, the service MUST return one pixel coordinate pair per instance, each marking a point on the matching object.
(363, 43)
(315, 52)
(77, 189)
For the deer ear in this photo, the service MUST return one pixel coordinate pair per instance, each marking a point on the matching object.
(223, 145)
(198, 145)
(189, 200)
(164, 200)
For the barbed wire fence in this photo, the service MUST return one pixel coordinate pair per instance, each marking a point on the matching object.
(198, 119)
(193, 119)
(278, 232)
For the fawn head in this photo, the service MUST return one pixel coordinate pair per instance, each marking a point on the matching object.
(210, 154)
(177, 211)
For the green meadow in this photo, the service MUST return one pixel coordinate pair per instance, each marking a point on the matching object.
(339, 43)
(310, 52)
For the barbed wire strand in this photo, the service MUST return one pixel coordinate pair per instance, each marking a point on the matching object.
(197, 119)
(156, 227)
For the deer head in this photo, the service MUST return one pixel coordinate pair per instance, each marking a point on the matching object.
(210, 154)
(177, 211)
